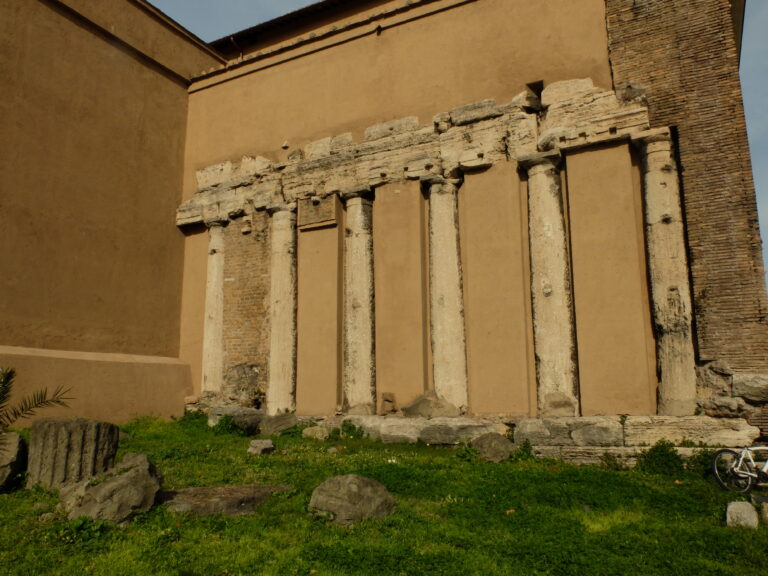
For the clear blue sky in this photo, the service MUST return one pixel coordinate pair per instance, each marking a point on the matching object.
(212, 19)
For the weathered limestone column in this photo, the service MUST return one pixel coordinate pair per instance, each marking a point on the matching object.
(446, 299)
(553, 329)
(668, 269)
(359, 374)
(281, 392)
(213, 328)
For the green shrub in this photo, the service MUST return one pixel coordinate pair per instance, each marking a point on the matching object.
(465, 451)
(226, 425)
(661, 459)
(700, 462)
(524, 453)
(612, 462)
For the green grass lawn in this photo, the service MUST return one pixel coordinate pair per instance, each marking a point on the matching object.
(455, 515)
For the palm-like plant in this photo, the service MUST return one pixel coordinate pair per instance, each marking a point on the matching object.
(28, 404)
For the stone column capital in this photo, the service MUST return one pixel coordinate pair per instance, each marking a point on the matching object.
(438, 184)
(273, 209)
(541, 161)
(363, 192)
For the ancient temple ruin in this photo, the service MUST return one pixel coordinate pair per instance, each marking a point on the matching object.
(518, 208)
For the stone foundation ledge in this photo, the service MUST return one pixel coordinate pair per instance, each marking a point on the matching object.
(594, 456)
(584, 439)
(635, 431)
(397, 429)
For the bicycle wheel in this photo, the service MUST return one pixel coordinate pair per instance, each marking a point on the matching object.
(724, 464)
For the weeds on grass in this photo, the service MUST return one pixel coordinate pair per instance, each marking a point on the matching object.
(347, 431)
(661, 459)
(524, 453)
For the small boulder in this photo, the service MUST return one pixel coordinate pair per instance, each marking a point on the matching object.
(116, 495)
(271, 425)
(247, 419)
(493, 447)
(316, 433)
(261, 447)
(225, 500)
(741, 515)
(13, 460)
(351, 498)
(430, 405)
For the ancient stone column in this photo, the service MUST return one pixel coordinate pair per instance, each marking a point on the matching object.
(281, 392)
(668, 269)
(213, 328)
(359, 373)
(553, 329)
(446, 300)
(67, 451)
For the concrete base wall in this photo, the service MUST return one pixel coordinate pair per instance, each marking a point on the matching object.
(111, 387)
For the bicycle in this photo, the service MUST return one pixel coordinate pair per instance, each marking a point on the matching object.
(739, 471)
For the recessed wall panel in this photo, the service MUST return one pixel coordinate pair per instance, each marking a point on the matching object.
(399, 258)
(613, 321)
(495, 295)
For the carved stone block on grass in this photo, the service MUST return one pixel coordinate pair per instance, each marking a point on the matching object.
(224, 500)
(352, 498)
(258, 447)
(115, 496)
(247, 419)
(65, 452)
(493, 447)
(278, 423)
(647, 430)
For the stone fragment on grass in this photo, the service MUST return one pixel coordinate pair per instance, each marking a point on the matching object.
(316, 433)
(247, 419)
(430, 405)
(67, 451)
(261, 447)
(13, 460)
(493, 447)
(352, 498)
(224, 500)
(114, 496)
(278, 423)
(741, 515)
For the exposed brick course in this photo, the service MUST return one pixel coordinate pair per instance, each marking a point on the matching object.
(246, 298)
(683, 53)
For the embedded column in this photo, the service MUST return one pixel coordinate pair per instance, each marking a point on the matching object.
(553, 329)
(213, 328)
(281, 392)
(446, 301)
(359, 380)
(668, 269)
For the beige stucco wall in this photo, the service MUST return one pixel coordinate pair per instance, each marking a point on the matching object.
(493, 219)
(416, 62)
(400, 276)
(90, 176)
(417, 67)
(319, 317)
(616, 352)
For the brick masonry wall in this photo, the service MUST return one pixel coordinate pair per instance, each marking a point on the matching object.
(246, 301)
(683, 53)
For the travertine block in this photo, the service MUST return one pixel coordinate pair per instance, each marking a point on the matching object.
(647, 430)
(64, 452)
